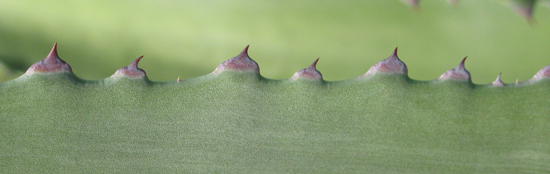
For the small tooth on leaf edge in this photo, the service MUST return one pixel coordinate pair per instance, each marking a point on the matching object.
(391, 64)
(241, 62)
(543, 73)
(131, 70)
(498, 82)
(309, 73)
(51, 64)
(458, 73)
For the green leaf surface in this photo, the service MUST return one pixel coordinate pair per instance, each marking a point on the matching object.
(241, 122)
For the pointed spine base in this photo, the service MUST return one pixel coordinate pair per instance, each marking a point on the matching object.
(543, 73)
(241, 62)
(309, 73)
(51, 64)
(498, 82)
(391, 64)
(458, 73)
(131, 70)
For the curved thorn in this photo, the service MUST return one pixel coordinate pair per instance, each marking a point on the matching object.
(391, 64)
(134, 64)
(310, 73)
(131, 70)
(517, 81)
(241, 62)
(458, 73)
(313, 65)
(178, 80)
(245, 51)
(53, 53)
(52, 63)
(461, 65)
(498, 81)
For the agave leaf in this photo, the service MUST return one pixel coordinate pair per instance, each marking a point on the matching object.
(234, 120)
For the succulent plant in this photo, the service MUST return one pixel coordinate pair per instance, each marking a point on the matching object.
(234, 120)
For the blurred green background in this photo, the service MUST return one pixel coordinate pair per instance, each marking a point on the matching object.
(191, 38)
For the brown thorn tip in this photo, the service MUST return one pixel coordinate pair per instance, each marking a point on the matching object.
(134, 64)
(310, 73)
(241, 62)
(391, 64)
(498, 81)
(53, 52)
(178, 80)
(461, 65)
(314, 64)
(458, 73)
(245, 50)
(52, 63)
